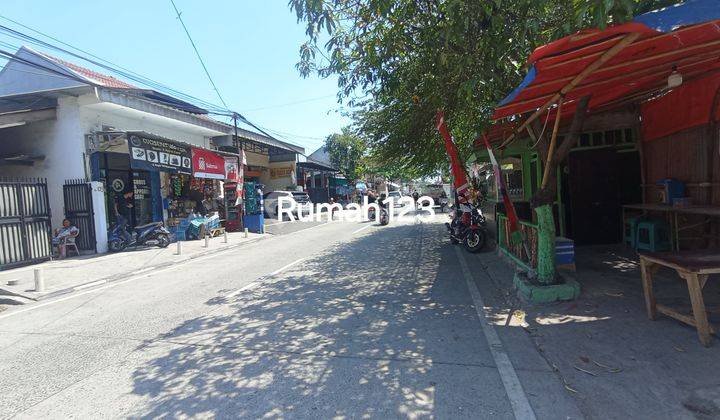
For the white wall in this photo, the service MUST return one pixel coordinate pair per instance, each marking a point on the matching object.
(93, 119)
(63, 144)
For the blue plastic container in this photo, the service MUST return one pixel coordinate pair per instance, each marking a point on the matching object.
(254, 222)
(671, 189)
(564, 251)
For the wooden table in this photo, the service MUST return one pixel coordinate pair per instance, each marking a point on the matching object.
(692, 266)
(672, 213)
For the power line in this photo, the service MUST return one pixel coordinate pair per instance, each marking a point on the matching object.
(197, 53)
(128, 74)
(114, 68)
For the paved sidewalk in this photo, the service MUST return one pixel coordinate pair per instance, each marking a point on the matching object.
(77, 273)
(614, 361)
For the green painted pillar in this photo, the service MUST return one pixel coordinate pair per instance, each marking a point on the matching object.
(546, 244)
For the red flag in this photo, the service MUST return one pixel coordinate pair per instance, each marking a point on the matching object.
(459, 176)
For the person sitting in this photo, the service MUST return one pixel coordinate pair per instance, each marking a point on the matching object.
(66, 234)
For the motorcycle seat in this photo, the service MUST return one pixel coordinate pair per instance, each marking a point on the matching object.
(148, 225)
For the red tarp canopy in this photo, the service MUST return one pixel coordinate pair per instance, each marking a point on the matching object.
(685, 107)
(690, 43)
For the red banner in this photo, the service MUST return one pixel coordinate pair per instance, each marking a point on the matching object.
(460, 180)
(207, 164)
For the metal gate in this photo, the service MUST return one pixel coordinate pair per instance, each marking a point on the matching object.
(77, 194)
(24, 222)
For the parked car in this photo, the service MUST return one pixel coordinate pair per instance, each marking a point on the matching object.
(397, 197)
(301, 200)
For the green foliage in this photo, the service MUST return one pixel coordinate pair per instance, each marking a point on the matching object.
(347, 151)
(398, 61)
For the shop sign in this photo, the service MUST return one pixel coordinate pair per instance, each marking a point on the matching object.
(159, 155)
(207, 164)
(281, 172)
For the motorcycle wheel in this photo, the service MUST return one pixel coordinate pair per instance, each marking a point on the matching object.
(384, 220)
(163, 240)
(475, 240)
(116, 245)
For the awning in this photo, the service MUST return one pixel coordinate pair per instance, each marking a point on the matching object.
(316, 166)
(621, 63)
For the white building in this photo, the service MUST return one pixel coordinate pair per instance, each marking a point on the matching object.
(54, 113)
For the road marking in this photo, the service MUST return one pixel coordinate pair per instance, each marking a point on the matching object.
(95, 283)
(138, 275)
(242, 289)
(361, 229)
(115, 284)
(513, 388)
(259, 280)
(285, 267)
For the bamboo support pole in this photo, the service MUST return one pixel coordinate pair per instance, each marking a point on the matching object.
(612, 52)
(551, 148)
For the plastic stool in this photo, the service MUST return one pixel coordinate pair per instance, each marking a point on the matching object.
(630, 230)
(653, 236)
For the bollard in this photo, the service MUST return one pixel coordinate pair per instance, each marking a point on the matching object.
(246, 232)
(225, 237)
(207, 240)
(39, 281)
(179, 247)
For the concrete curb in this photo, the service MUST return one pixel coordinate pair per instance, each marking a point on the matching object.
(122, 276)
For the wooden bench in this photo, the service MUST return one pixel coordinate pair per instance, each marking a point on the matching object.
(692, 266)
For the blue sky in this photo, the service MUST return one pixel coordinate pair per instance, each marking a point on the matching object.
(249, 46)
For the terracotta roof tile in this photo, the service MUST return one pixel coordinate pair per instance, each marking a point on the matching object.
(102, 79)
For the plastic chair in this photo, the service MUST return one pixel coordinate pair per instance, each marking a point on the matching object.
(630, 230)
(653, 236)
(69, 244)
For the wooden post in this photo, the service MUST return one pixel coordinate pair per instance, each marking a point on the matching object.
(698, 307)
(551, 148)
(646, 274)
(546, 244)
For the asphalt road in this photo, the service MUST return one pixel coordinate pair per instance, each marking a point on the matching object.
(338, 320)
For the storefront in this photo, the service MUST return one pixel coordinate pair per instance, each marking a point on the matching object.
(269, 162)
(170, 180)
(141, 164)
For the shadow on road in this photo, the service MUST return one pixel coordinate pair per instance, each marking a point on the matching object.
(380, 326)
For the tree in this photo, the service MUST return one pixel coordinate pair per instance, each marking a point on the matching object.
(407, 58)
(346, 151)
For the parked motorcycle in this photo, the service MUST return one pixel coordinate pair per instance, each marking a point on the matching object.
(151, 234)
(468, 229)
(384, 216)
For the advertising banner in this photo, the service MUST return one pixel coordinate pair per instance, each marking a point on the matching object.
(232, 171)
(159, 155)
(207, 164)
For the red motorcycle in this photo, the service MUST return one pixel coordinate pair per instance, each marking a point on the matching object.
(468, 228)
